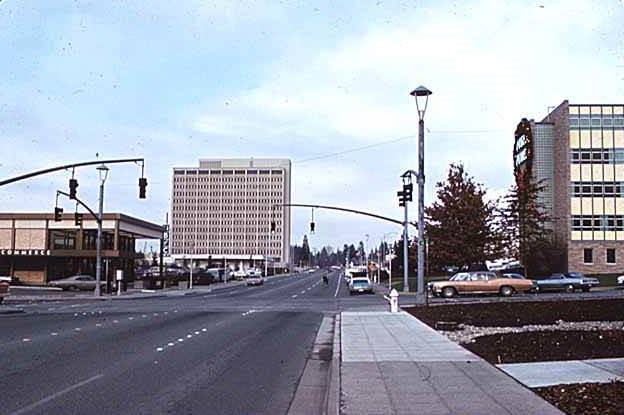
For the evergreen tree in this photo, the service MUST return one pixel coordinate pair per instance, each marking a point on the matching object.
(305, 252)
(461, 223)
(527, 236)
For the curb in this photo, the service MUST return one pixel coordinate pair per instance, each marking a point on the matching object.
(10, 310)
(333, 394)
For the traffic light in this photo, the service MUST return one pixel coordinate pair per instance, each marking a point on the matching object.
(142, 186)
(407, 190)
(78, 219)
(73, 184)
(58, 214)
(312, 227)
(272, 226)
(402, 199)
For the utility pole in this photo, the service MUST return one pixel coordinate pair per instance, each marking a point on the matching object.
(405, 251)
(103, 170)
(421, 91)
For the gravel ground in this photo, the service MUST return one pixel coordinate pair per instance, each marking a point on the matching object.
(586, 398)
(466, 333)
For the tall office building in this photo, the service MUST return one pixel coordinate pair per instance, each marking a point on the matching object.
(222, 212)
(577, 151)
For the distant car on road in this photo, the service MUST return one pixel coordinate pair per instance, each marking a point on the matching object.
(481, 282)
(10, 279)
(76, 283)
(254, 278)
(620, 281)
(568, 282)
(360, 285)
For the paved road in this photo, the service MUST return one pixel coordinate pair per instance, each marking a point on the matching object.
(240, 350)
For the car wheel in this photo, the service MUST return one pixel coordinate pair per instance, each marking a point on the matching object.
(449, 292)
(506, 291)
(72, 288)
(569, 288)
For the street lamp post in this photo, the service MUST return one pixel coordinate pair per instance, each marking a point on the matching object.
(103, 173)
(420, 92)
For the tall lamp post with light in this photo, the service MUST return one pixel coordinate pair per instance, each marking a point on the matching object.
(103, 173)
(421, 94)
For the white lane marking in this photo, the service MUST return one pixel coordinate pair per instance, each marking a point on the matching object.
(77, 329)
(294, 296)
(144, 315)
(159, 349)
(54, 333)
(303, 292)
(188, 336)
(180, 340)
(196, 333)
(98, 324)
(337, 288)
(115, 321)
(130, 318)
(51, 308)
(170, 344)
(204, 329)
(75, 314)
(55, 395)
(155, 314)
(26, 339)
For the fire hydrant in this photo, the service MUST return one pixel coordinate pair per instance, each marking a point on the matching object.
(394, 301)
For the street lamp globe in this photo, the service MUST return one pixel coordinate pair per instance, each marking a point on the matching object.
(103, 172)
(418, 93)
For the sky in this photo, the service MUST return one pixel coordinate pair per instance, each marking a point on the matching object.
(174, 82)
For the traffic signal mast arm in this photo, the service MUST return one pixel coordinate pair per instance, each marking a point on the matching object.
(358, 212)
(81, 203)
(68, 166)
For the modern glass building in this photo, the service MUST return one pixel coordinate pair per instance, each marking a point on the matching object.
(577, 151)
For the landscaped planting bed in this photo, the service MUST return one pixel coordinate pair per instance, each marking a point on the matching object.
(514, 332)
(586, 398)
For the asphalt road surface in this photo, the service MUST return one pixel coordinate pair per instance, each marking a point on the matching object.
(240, 350)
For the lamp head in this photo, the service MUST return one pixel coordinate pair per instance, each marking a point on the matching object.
(103, 171)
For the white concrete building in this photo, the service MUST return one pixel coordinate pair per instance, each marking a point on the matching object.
(222, 212)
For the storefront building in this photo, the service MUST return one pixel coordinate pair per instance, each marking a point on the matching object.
(36, 249)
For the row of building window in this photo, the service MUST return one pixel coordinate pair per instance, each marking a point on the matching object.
(226, 172)
(267, 205)
(194, 179)
(597, 189)
(597, 155)
(597, 223)
(588, 256)
(597, 121)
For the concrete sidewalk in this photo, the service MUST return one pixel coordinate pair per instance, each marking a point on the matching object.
(395, 364)
(538, 374)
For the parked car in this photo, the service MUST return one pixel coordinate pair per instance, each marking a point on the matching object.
(254, 278)
(76, 283)
(620, 281)
(360, 285)
(568, 282)
(481, 282)
(10, 279)
(239, 274)
(4, 290)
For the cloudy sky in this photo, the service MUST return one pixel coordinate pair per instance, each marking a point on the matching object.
(177, 81)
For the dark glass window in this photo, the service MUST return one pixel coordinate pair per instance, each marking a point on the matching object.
(63, 239)
(588, 255)
(610, 256)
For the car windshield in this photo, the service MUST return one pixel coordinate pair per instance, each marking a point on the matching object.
(360, 281)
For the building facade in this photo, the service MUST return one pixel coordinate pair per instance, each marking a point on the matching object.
(37, 249)
(222, 211)
(577, 151)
